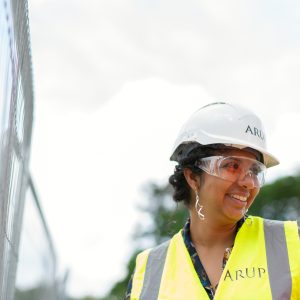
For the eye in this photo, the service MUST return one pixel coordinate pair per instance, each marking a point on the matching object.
(234, 166)
(231, 166)
(255, 170)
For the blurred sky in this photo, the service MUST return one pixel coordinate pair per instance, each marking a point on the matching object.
(114, 81)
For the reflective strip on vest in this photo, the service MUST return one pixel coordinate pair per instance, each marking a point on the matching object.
(278, 261)
(154, 269)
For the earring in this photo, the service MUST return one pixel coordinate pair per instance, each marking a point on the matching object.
(199, 207)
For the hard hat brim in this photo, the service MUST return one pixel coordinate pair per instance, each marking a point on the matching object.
(269, 159)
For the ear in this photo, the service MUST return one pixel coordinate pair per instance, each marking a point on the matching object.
(192, 179)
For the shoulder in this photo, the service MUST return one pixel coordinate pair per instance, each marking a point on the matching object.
(278, 223)
(274, 227)
(158, 252)
(287, 227)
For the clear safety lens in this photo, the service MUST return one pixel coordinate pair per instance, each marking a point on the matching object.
(234, 168)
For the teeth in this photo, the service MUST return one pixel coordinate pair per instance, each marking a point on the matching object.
(241, 198)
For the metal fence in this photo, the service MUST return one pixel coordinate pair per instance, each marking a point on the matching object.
(36, 274)
(16, 188)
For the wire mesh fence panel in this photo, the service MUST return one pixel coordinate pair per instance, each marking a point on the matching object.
(15, 138)
(16, 117)
(36, 274)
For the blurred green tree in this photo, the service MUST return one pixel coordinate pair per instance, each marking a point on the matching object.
(85, 298)
(163, 217)
(279, 200)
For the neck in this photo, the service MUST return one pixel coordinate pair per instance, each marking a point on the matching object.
(208, 233)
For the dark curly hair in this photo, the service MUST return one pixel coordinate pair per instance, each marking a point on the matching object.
(182, 191)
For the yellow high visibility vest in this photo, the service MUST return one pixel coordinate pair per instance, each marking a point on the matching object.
(264, 264)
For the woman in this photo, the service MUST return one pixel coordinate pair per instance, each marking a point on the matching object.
(221, 253)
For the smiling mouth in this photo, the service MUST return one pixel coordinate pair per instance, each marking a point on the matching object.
(238, 197)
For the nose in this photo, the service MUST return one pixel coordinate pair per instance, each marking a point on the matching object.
(246, 181)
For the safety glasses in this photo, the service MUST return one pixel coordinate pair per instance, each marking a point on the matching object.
(234, 168)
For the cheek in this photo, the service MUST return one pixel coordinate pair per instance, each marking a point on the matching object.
(213, 189)
(254, 193)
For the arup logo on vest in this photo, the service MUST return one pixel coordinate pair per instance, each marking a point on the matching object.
(245, 273)
(255, 131)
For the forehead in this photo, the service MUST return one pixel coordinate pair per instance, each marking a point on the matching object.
(237, 152)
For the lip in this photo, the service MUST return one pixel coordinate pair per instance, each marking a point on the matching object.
(237, 202)
(242, 198)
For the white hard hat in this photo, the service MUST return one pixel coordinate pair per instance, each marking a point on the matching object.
(227, 124)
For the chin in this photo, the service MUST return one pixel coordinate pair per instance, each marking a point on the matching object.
(234, 217)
